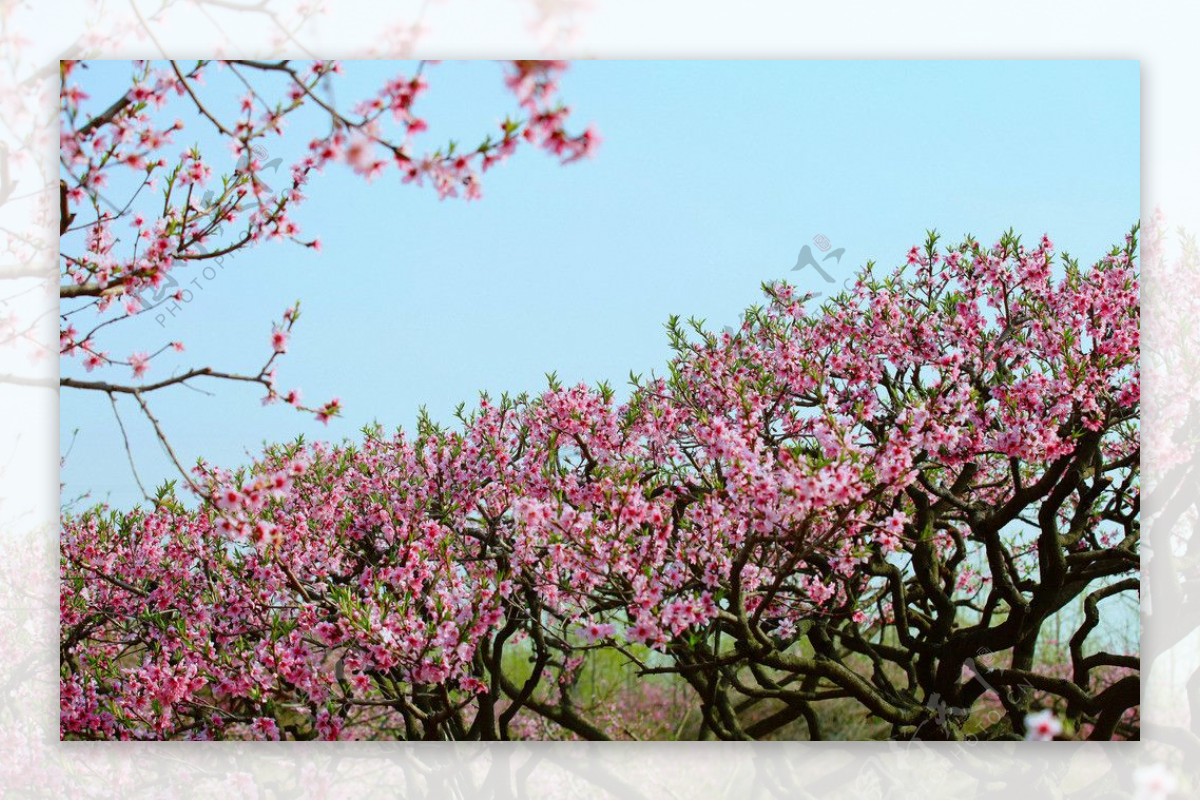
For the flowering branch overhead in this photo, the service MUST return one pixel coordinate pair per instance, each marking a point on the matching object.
(183, 211)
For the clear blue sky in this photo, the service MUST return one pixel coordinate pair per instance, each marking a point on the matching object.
(711, 177)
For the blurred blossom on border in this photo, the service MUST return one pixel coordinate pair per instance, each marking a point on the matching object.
(1155, 780)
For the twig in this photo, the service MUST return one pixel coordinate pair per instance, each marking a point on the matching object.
(162, 438)
(128, 450)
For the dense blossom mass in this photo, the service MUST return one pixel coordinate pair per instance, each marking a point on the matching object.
(879, 502)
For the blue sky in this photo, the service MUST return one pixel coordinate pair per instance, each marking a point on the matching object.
(710, 179)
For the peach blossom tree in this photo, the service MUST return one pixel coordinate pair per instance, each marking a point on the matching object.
(881, 503)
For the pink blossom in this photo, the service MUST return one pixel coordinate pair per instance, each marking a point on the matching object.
(140, 363)
(331, 409)
(265, 729)
(94, 360)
